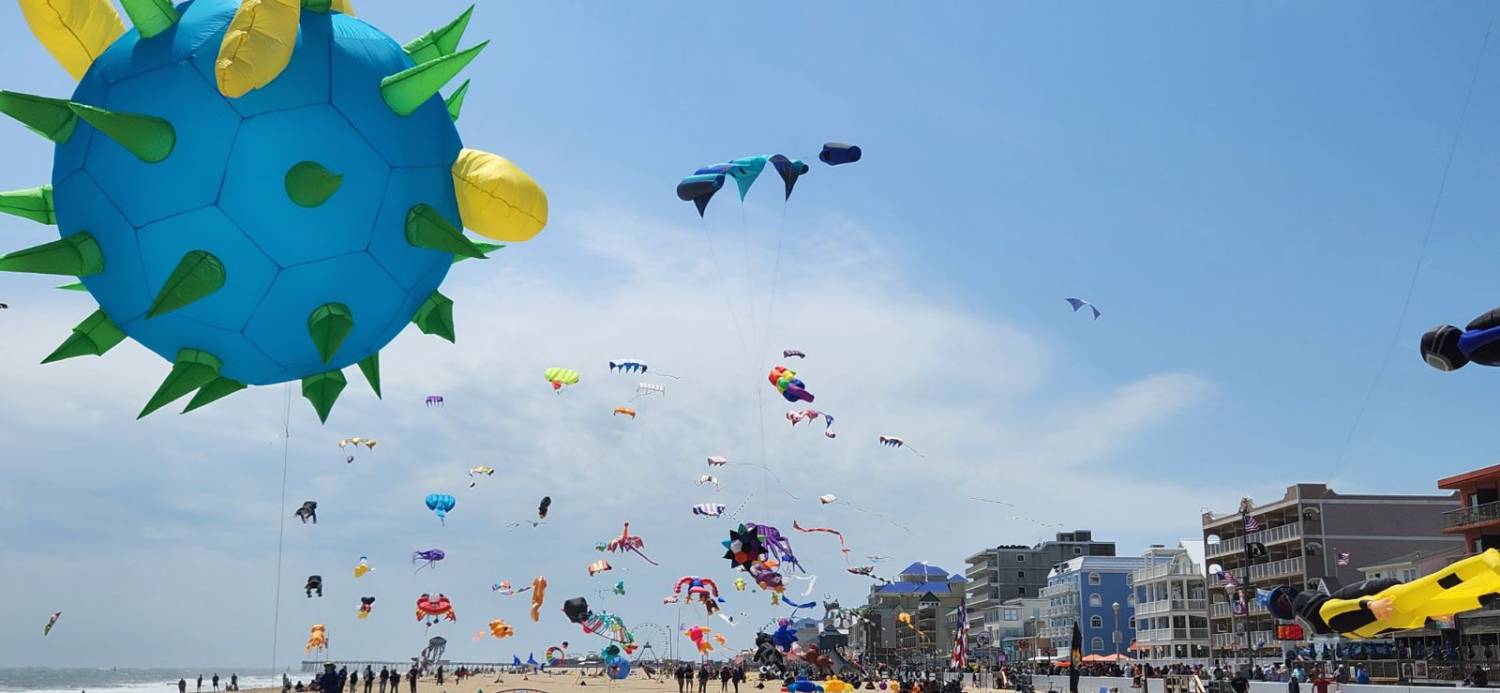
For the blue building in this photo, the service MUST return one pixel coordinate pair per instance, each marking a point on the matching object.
(925, 592)
(1095, 592)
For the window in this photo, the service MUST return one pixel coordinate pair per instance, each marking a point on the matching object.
(1012, 614)
(1078, 551)
(1096, 621)
(1021, 590)
(1093, 578)
(1095, 601)
(1097, 644)
(1020, 558)
(1132, 623)
(1020, 575)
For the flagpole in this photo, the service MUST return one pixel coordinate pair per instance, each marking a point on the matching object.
(1249, 640)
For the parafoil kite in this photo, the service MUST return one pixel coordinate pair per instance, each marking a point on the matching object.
(481, 470)
(708, 479)
(51, 621)
(317, 639)
(1079, 303)
(298, 174)
(357, 441)
(717, 461)
(308, 511)
(629, 542)
(366, 605)
(895, 442)
(793, 353)
(429, 557)
(538, 594)
(628, 366)
(800, 415)
(828, 530)
(699, 636)
(1448, 348)
(362, 567)
(827, 498)
(433, 608)
(599, 566)
(560, 377)
(703, 589)
(541, 509)
(786, 382)
(626, 411)
(434, 400)
(314, 583)
(836, 153)
(644, 389)
(709, 509)
(500, 629)
(440, 504)
(700, 187)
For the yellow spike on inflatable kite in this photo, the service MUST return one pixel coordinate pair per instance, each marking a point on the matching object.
(75, 32)
(344, 7)
(257, 46)
(496, 198)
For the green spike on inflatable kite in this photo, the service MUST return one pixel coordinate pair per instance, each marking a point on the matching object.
(455, 101)
(439, 42)
(75, 286)
(317, 5)
(92, 337)
(370, 366)
(322, 390)
(328, 325)
(77, 255)
(50, 118)
(408, 89)
(149, 138)
(151, 17)
(32, 203)
(198, 275)
(215, 390)
(485, 248)
(436, 316)
(192, 370)
(425, 228)
(308, 184)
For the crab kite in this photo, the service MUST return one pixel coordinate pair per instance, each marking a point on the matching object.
(433, 608)
(259, 191)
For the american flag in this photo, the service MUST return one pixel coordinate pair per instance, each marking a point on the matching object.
(1251, 525)
(960, 656)
(1343, 558)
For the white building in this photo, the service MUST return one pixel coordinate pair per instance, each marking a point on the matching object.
(1171, 605)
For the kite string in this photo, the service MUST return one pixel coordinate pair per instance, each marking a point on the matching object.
(286, 442)
(1416, 269)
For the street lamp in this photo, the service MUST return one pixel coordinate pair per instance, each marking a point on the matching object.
(1116, 608)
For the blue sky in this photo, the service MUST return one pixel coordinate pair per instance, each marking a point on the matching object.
(1243, 190)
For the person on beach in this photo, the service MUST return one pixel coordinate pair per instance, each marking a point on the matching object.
(369, 678)
(182, 685)
(200, 683)
(385, 675)
(329, 682)
(723, 679)
(354, 680)
(411, 679)
(286, 683)
(703, 678)
(234, 682)
(737, 676)
(216, 680)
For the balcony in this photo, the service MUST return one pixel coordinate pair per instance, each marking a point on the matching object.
(1272, 535)
(1225, 641)
(1162, 636)
(1226, 610)
(1276, 569)
(1465, 517)
(1169, 569)
(1162, 606)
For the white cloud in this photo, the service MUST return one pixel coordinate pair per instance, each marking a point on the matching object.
(191, 503)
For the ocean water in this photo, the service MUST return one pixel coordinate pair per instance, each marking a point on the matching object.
(104, 680)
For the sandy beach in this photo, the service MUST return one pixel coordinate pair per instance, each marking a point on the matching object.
(566, 682)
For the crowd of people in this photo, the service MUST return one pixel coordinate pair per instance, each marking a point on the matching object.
(232, 684)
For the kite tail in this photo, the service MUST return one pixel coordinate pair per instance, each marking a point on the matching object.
(648, 558)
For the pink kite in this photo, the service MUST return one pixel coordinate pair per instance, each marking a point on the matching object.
(628, 542)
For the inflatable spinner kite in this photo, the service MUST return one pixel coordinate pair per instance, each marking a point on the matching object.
(258, 191)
